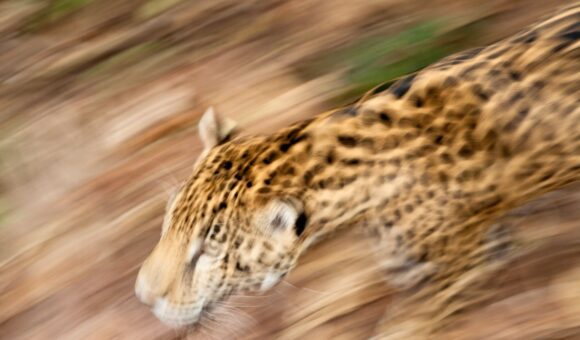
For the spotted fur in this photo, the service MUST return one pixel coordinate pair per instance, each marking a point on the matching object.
(426, 165)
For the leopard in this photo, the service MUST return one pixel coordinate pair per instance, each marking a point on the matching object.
(424, 166)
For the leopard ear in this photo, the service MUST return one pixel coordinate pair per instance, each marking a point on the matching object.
(213, 129)
(282, 219)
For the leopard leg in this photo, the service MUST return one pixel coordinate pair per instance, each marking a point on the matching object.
(439, 287)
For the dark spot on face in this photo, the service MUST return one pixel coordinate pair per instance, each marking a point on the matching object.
(397, 214)
(417, 101)
(348, 141)
(450, 81)
(308, 175)
(423, 257)
(249, 184)
(264, 190)
(446, 158)
(385, 118)
(409, 208)
(330, 157)
(538, 85)
(323, 183)
(505, 151)
(443, 177)
(515, 76)
(270, 157)
(223, 205)
(480, 93)
(466, 151)
(400, 88)
(217, 228)
(227, 165)
(351, 161)
(284, 147)
(241, 268)
(300, 224)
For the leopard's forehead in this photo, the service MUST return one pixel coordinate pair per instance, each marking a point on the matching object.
(224, 183)
(234, 173)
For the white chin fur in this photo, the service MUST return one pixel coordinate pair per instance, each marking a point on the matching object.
(175, 318)
(270, 281)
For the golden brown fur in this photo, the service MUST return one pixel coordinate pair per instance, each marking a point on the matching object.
(425, 166)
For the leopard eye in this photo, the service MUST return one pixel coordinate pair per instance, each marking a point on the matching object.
(212, 239)
(210, 250)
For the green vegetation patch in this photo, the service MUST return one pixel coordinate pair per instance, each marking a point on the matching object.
(124, 58)
(382, 59)
(154, 7)
(56, 10)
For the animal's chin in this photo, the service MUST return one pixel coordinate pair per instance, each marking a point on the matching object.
(179, 324)
(177, 318)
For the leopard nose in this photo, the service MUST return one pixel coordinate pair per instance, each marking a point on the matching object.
(146, 297)
(144, 293)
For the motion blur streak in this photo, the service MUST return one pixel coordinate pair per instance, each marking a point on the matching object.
(99, 102)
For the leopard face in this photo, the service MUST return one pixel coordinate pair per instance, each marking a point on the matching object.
(214, 245)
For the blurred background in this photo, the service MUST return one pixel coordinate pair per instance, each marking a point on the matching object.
(99, 102)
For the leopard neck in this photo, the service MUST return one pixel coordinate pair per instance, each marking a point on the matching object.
(426, 152)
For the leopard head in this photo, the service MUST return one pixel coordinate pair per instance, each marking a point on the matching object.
(221, 233)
